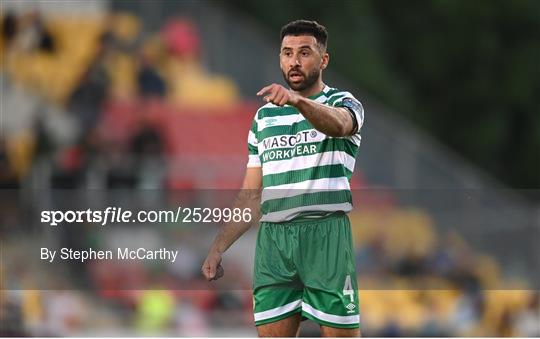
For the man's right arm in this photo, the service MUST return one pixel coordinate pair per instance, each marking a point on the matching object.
(249, 197)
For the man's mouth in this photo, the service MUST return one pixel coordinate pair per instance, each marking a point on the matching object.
(295, 76)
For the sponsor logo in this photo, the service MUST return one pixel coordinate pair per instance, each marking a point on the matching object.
(350, 307)
(289, 140)
(289, 153)
(287, 146)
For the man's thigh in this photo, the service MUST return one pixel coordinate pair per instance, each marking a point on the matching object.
(274, 303)
(327, 331)
(328, 273)
(288, 327)
(277, 291)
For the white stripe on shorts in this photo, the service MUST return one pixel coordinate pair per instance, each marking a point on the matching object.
(331, 318)
(274, 312)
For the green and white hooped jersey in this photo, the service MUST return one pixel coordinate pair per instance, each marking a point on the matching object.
(306, 173)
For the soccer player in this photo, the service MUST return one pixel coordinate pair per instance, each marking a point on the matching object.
(302, 147)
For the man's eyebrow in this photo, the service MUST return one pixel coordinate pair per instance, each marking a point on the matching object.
(301, 47)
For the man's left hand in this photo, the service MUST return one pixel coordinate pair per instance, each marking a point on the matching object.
(279, 95)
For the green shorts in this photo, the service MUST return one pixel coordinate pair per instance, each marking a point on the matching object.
(306, 267)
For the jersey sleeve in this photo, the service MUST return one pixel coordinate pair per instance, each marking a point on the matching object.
(253, 150)
(348, 101)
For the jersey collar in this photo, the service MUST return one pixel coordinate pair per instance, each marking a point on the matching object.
(324, 91)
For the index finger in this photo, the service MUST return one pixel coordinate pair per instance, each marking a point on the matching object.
(264, 89)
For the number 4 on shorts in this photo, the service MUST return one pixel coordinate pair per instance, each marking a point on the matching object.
(348, 288)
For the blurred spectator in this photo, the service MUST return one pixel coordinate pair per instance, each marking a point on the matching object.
(122, 44)
(391, 330)
(44, 142)
(468, 313)
(149, 81)
(9, 28)
(504, 328)
(186, 266)
(190, 321)
(370, 258)
(411, 265)
(32, 307)
(125, 30)
(155, 310)
(189, 82)
(441, 262)
(69, 168)
(432, 327)
(119, 166)
(181, 38)
(11, 320)
(32, 35)
(149, 164)
(86, 101)
(65, 313)
(527, 322)
(147, 141)
(8, 178)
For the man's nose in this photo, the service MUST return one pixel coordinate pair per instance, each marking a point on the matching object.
(295, 62)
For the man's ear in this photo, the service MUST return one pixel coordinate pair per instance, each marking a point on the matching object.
(325, 60)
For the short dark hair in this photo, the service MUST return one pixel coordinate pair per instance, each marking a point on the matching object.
(306, 27)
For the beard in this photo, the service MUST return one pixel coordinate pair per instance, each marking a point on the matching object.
(308, 80)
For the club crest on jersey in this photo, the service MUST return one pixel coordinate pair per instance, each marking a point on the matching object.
(270, 122)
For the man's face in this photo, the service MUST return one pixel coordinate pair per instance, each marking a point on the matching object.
(301, 61)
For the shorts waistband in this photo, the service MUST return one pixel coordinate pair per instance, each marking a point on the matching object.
(304, 221)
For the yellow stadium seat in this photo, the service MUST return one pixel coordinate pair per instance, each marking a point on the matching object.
(190, 85)
(32, 307)
(373, 308)
(487, 270)
(20, 151)
(55, 75)
(125, 27)
(404, 231)
(122, 68)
